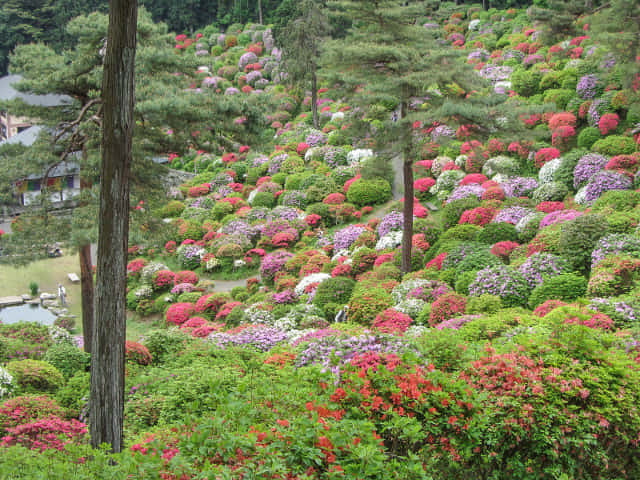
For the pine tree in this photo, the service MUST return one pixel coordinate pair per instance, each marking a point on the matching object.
(403, 75)
(301, 40)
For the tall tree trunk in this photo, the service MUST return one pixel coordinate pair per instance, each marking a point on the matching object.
(260, 11)
(86, 288)
(107, 358)
(407, 212)
(314, 99)
(485, 4)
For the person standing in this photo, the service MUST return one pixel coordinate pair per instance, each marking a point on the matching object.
(62, 294)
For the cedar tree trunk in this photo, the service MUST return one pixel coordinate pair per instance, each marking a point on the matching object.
(260, 12)
(314, 99)
(107, 351)
(407, 212)
(86, 287)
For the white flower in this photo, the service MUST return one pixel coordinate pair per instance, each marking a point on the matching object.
(60, 335)
(399, 292)
(358, 155)
(239, 263)
(308, 280)
(340, 253)
(6, 383)
(411, 307)
(474, 24)
(548, 169)
(390, 241)
(145, 291)
(416, 331)
(337, 117)
(581, 196)
(252, 196)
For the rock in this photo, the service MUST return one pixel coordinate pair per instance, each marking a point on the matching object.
(26, 297)
(431, 206)
(48, 296)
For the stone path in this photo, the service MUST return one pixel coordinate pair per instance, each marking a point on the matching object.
(227, 285)
(9, 301)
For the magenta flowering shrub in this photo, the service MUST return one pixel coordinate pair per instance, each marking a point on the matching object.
(178, 313)
(45, 433)
(272, 263)
(559, 217)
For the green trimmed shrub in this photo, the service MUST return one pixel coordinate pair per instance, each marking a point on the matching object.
(452, 212)
(365, 305)
(618, 200)
(578, 238)
(498, 232)
(336, 290)
(68, 359)
(588, 136)
(613, 145)
(485, 303)
(565, 287)
(369, 192)
(34, 376)
(264, 199)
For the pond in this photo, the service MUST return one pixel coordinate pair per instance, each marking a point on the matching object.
(26, 313)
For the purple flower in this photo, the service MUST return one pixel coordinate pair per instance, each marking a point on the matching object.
(587, 167)
(541, 265)
(604, 181)
(285, 297)
(615, 244)
(503, 281)
(519, 186)
(465, 191)
(511, 215)
(246, 59)
(257, 336)
(344, 238)
(586, 87)
(391, 221)
(272, 263)
(456, 323)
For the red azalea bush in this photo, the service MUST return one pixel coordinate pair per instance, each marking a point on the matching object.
(45, 434)
(597, 321)
(548, 207)
(422, 186)
(474, 178)
(211, 303)
(504, 249)
(563, 137)
(134, 267)
(342, 270)
(608, 123)
(624, 163)
(334, 199)
(193, 322)
(477, 216)
(171, 246)
(437, 261)
(186, 276)
(178, 313)
(163, 279)
(391, 321)
(137, 353)
(493, 193)
(545, 155)
(199, 190)
(302, 148)
(20, 410)
(225, 310)
(563, 119)
(313, 220)
(544, 308)
(447, 306)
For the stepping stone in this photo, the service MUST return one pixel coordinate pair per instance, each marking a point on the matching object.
(9, 301)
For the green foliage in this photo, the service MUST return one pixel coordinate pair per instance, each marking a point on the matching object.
(525, 82)
(75, 393)
(264, 199)
(68, 359)
(369, 192)
(615, 145)
(34, 376)
(588, 136)
(617, 200)
(162, 344)
(579, 237)
(364, 305)
(335, 290)
(498, 232)
(452, 211)
(485, 303)
(566, 287)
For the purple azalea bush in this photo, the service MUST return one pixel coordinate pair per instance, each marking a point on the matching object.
(391, 221)
(541, 265)
(588, 166)
(344, 238)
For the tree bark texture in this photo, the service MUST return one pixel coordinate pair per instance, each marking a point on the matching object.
(108, 355)
(260, 12)
(86, 287)
(407, 213)
(314, 99)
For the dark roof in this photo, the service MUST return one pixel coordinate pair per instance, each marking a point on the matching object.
(7, 92)
(61, 170)
(26, 137)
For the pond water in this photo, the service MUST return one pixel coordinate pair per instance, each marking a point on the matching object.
(26, 313)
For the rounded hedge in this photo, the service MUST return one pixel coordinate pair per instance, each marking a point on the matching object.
(33, 376)
(566, 287)
(336, 290)
(68, 359)
(369, 192)
(365, 305)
